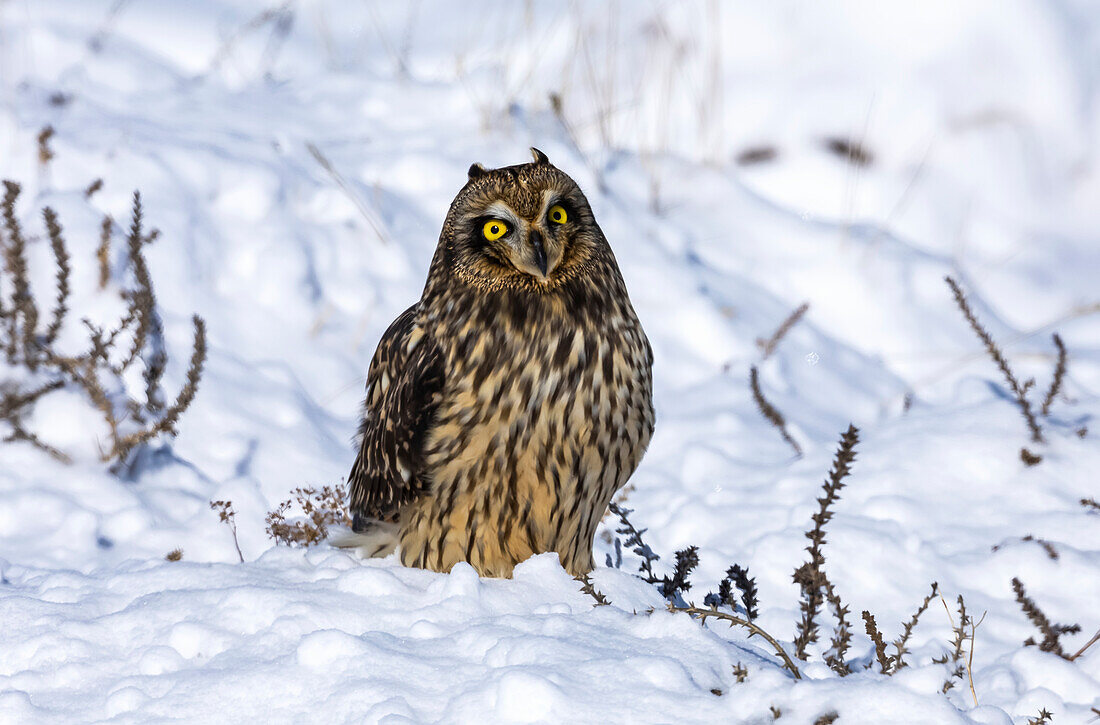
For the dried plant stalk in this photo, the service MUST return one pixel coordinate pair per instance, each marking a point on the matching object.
(45, 153)
(1093, 640)
(92, 371)
(686, 561)
(739, 578)
(103, 251)
(1051, 632)
(704, 614)
(900, 644)
(167, 424)
(590, 589)
(61, 257)
(634, 539)
(349, 192)
(19, 433)
(954, 655)
(810, 577)
(1043, 718)
(850, 150)
(970, 657)
(880, 644)
(228, 516)
(767, 347)
(322, 508)
(1019, 391)
(842, 634)
(141, 298)
(1059, 375)
(769, 411)
(21, 333)
(92, 188)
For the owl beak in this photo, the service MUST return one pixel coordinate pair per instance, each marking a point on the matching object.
(535, 238)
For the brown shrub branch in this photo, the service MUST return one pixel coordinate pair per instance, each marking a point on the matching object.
(92, 372)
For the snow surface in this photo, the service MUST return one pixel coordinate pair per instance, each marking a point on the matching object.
(984, 121)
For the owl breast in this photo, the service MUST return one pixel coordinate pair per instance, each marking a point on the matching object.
(543, 417)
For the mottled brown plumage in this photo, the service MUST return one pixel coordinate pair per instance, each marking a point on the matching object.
(506, 407)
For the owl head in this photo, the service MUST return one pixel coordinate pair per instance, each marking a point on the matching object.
(525, 227)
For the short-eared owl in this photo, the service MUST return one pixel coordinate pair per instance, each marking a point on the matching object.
(506, 407)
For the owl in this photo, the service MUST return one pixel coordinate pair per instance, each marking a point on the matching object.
(505, 407)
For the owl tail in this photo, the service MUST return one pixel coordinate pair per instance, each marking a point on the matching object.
(369, 538)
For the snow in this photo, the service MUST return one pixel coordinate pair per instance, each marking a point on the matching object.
(982, 119)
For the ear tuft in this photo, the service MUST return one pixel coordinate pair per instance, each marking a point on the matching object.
(476, 170)
(540, 157)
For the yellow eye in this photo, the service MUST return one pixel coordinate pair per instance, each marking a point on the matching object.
(558, 214)
(494, 229)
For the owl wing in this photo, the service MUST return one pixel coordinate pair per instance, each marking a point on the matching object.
(404, 386)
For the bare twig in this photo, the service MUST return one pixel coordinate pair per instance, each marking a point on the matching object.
(19, 433)
(703, 614)
(970, 658)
